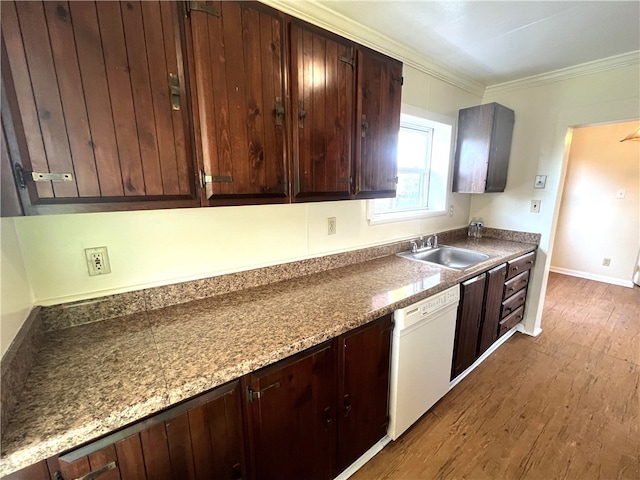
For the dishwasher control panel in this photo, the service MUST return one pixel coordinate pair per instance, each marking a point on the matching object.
(429, 306)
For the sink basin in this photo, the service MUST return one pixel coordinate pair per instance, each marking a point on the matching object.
(450, 257)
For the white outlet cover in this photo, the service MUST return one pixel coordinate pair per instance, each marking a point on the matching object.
(621, 193)
(97, 261)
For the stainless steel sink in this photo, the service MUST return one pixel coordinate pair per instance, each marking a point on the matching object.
(446, 256)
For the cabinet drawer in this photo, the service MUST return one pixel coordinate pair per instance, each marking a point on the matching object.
(509, 321)
(510, 305)
(516, 283)
(520, 264)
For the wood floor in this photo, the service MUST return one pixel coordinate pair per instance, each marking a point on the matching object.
(562, 405)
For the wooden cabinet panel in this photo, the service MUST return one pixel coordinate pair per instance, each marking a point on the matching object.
(379, 80)
(492, 307)
(513, 302)
(468, 324)
(37, 471)
(322, 97)
(88, 91)
(516, 283)
(520, 264)
(510, 321)
(201, 438)
(10, 200)
(363, 389)
(239, 61)
(483, 147)
(291, 416)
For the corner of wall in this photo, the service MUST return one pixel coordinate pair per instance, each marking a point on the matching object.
(16, 299)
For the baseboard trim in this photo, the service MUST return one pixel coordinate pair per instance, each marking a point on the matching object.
(592, 276)
(482, 357)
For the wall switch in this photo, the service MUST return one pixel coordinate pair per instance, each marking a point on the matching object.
(535, 206)
(621, 193)
(97, 261)
(606, 262)
(331, 226)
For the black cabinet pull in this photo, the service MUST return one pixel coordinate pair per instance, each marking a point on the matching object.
(302, 113)
(346, 404)
(236, 472)
(327, 418)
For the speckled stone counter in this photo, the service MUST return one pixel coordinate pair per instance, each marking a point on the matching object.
(94, 378)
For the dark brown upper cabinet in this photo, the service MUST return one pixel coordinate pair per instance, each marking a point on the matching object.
(379, 81)
(140, 104)
(322, 99)
(482, 149)
(239, 63)
(94, 105)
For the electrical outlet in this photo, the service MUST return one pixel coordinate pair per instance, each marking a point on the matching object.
(97, 261)
(331, 226)
(535, 206)
(451, 210)
(606, 262)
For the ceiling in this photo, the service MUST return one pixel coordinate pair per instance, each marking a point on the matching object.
(493, 42)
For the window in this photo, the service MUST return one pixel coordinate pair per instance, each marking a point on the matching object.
(424, 154)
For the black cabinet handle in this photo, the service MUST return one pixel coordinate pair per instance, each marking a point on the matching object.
(236, 472)
(327, 418)
(346, 404)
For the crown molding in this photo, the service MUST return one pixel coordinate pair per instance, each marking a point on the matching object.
(589, 68)
(321, 16)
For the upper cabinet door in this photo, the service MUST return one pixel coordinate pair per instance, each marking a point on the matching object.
(377, 124)
(483, 148)
(322, 91)
(238, 59)
(95, 96)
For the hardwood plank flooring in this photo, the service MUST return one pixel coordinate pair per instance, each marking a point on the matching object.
(564, 405)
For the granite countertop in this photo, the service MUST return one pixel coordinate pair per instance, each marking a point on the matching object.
(91, 379)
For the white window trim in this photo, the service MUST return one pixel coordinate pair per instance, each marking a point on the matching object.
(420, 118)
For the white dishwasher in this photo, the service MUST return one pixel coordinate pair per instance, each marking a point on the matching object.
(421, 357)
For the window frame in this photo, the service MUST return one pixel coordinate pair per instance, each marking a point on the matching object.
(443, 133)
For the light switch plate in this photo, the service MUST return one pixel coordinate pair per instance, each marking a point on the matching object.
(621, 193)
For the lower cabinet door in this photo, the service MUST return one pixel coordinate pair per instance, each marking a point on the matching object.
(363, 389)
(493, 307)
(291, 417)
(201, 438)
(468, 324)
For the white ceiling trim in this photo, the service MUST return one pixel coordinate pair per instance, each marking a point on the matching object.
(589, 68)
(321, 16)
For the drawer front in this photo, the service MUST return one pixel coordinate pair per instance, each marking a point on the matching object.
(510, 305)
(520, 264)
(509, 321)
(516, 284)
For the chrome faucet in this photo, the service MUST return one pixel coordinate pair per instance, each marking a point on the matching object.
(422, 243)
(432, 241)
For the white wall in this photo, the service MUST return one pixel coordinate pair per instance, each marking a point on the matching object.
(593, 223)
(151, 248)
(544, 114)
(16, 297)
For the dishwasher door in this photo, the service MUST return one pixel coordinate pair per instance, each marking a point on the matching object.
(421, 358)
